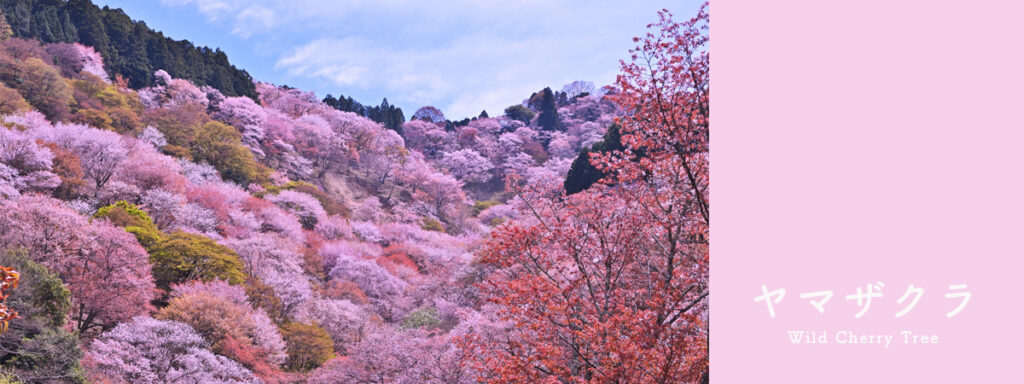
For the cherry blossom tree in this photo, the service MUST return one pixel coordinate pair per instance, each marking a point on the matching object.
(306, 207)
(78, 58)
(344, 321)
(100, 151)
(383, 289)
(147, 169)
(276, 261)
(147, 350)
(127, 286)
(559, 146)
(334, 228)
(394, 356)
(468, 166)
(63, 241)
(229, 326)
(153, 136)
(27, 165)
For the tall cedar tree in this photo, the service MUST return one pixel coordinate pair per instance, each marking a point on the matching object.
(548, 118)
(582, 174)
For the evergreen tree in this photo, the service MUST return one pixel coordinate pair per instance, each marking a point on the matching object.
(519, 112)
(5, 29)
(548, 118)
(582, 174)
(129, 48)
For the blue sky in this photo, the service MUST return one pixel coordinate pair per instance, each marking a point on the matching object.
(462, 56)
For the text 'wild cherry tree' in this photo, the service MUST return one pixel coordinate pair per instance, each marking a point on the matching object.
(610, 285)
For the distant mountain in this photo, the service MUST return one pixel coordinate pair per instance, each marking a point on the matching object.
(129, 48)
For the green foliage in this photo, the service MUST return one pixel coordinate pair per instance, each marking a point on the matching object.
(9, 378)
(129, 48)
(548, 117)
(11, 101)
(179, 126)
(422, 318)
(101, 105)
(41, 296)
(221, 146)
(262, 296)
(52, 350)
(309, 346)
(432, 225)
(480, 206)
(5, 29)
(38, 82)
(133, 220)
(37, 347)
(185, 256)
(582, 174)
(519, 112)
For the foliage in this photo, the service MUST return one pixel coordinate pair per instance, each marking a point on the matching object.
(480, 206)
(519, 112)
(583, 173)
(234, 329)
(309, 346)
(38, 82)
(422, 318)
(37, 347)
(429, 114)
(133, 220)
(68, 166)
(102, 105)
(183, 256)
(221, 146)
(11, 101)
(5, 28)
(9, 278)
(432, 225)
(55, 236)
(547, 119)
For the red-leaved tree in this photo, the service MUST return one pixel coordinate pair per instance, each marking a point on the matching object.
(610, 285)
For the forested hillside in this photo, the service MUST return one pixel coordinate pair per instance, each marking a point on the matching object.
(130, 49)
(166, 231)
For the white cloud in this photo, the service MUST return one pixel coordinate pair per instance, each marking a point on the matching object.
(461, 56)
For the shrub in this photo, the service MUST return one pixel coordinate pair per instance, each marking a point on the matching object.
(422, 318)
(432, 225)
(480, 206)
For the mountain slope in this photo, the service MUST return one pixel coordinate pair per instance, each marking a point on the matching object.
(130, 49)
